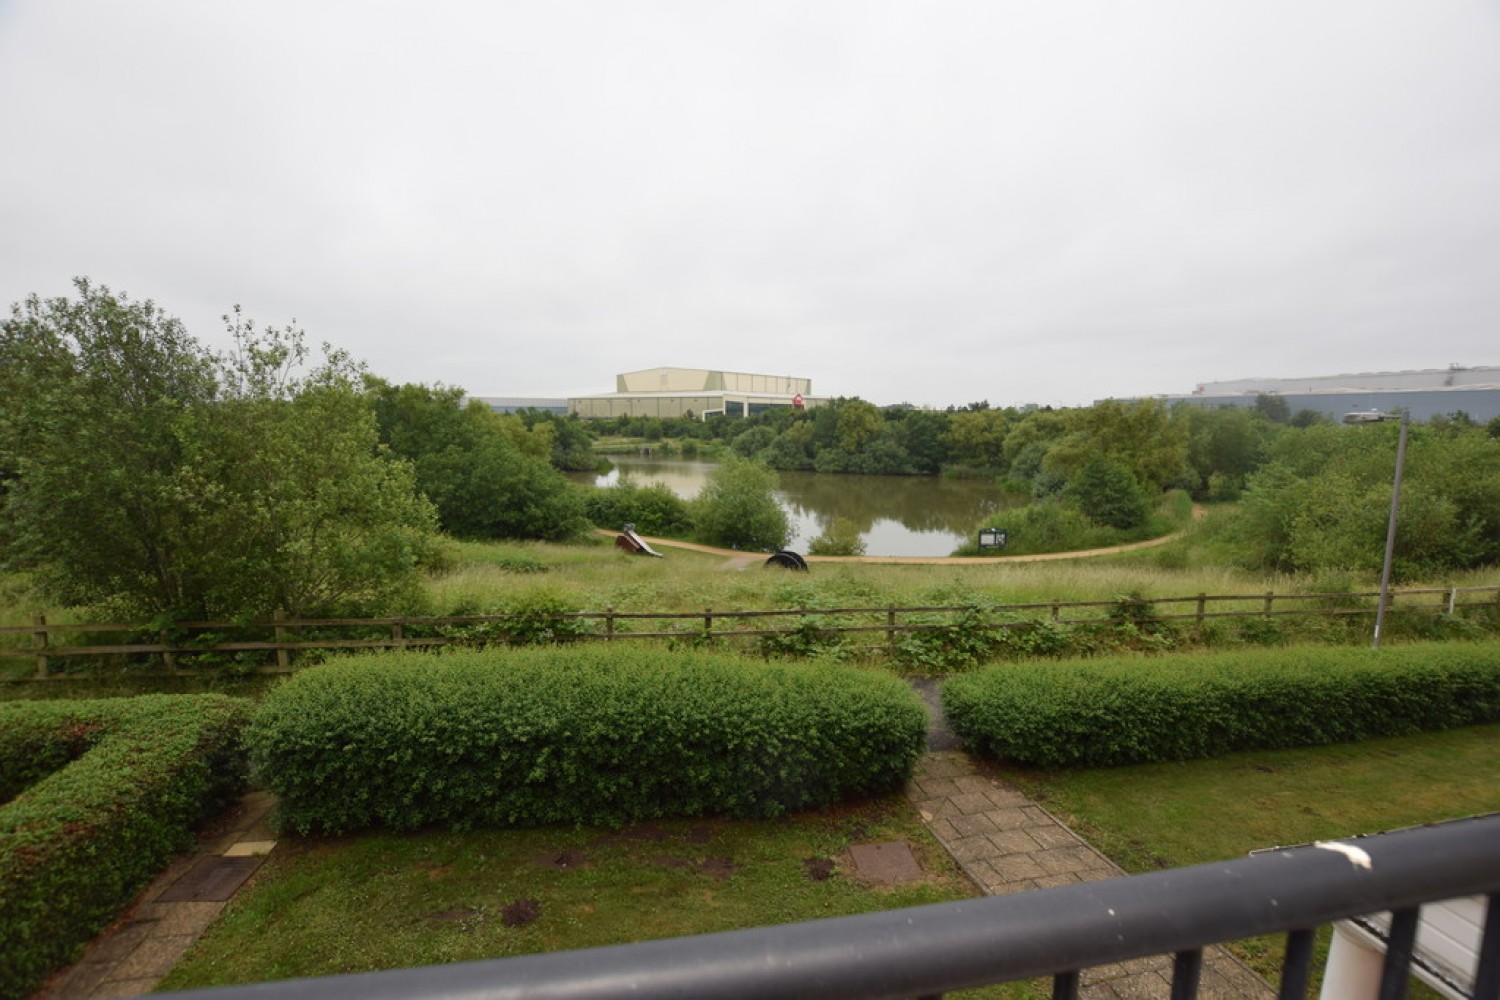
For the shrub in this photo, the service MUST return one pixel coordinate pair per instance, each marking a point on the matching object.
(128, 779)
(737, 507)
(1107, 493)
(653, 509)
(812, 635)
(575, 735)
(840, 538)
(1090, 713)
(947, 645)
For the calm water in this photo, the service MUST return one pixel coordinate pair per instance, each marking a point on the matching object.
(896, 515)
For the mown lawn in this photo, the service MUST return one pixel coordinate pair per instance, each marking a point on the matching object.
(323, 906)
(1185, 813)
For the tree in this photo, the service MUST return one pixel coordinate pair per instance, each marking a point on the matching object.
(1224, 446)
(1322, 501)
(154, 477)
(1138, 435)
(1273, 408)
(487, 474)
(976, 438)
(737, 507)
(1108, 494)
(858, 423)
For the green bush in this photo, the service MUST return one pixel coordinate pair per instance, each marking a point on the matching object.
(582, 734)
(737, 508)
(102, 794)
(653, 509)
(1092, 713)
(528, 618)
(948, 643)
(840, 538)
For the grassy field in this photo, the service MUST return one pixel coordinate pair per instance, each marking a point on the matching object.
(478, 578)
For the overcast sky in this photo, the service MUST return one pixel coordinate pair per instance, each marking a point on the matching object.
(934, 202)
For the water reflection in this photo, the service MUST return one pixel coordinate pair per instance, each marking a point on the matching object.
(895, 515)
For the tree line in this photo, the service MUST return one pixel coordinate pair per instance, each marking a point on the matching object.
(144, 474)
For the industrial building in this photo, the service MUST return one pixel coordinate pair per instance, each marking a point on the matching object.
(510, 404)
(1424, 394)
(694, 392)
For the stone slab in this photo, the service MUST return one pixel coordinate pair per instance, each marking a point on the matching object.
(211, 880)
(890, 863)
(250, 849)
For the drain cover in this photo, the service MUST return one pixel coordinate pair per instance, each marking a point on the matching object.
(211, 880)
(890, 863)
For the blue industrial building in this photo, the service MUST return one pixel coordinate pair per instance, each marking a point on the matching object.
(1424, 394)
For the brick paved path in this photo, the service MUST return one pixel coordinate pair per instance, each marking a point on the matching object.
(135, 954)
(1006, 843)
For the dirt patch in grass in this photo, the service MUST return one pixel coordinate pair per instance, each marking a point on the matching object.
(644, 833)
(562, 860)
(520, 913)
(718, 869)
(818, 869)
(454, 916)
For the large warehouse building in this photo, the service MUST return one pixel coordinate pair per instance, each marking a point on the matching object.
(693, 392)
(1425, 394)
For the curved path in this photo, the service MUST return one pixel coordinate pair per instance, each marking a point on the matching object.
(739, 558)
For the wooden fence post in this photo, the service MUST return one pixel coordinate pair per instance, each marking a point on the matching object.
(1055, 608)
(609, 623)
(398, 634)
(39, 641)
(168, 658)
(283, 658)
(708, 622)
(1202, 601)
(1270, 597)
(890, 628)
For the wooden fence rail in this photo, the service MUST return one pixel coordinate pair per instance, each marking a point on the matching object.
(283, 636)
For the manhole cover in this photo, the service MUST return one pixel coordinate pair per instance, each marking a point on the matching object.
(886, 864)
(211, 880)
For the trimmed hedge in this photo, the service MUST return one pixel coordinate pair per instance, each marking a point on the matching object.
(575, 735)
(1094, 713)
(101, 796)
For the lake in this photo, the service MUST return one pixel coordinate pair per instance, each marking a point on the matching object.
(895, 515)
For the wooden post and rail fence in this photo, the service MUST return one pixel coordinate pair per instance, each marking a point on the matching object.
(272, 643)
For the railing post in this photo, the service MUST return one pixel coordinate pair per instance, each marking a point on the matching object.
(890, 628)
(1452, 600)
(609, 623)
(39, 641)
(708, 622)
(1187, 969)
(398, 635)
(1055, 608)
(1202, 603)
(1270, 597)
(283, 658)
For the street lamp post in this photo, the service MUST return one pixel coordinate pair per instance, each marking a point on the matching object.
(1390, 528)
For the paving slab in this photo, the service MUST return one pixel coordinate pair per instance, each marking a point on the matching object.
(889, 863)
(211, 879)
(132, 956)
(1008, 844)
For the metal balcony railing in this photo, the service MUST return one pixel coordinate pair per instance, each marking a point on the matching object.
(927, 951)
